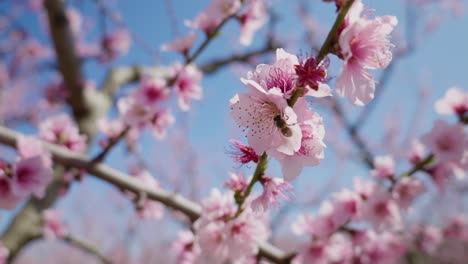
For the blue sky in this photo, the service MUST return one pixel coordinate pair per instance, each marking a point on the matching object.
(438, 62)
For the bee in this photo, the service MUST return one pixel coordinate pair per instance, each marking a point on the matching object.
(282, 125)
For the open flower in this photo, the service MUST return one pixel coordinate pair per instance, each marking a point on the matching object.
(8, 199)
(259, 112)
(53, 226)
(187, 84)
(252, 19)
(384, 167)
(161, 120)
(184, 248)
(61, 130)
(454, 102)
(31, 175)
(364, 45)
(152, 91)
(274, 189)
(311, 151)
(446, 142)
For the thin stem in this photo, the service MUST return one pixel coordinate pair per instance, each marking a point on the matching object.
(295, 96)
(428, 160)
(112, 142)
(257, 176)
(329, 41)
(209, 37)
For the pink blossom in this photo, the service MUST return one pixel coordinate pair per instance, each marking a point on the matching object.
(187, 84)
(417, 152)
(406, 190)
(75, 21)
(347, 206)
(320, 226)
(384, 167)
(311, 151)
(55, 92)
(312, 76)
(280, 75)
(53, 226)
(385, 248)
(364, 45)
(152, 90)
(149, 209)
(273, 190)
(454, 102)
(242, 153)
(110, 128)
(381, 210)
(31, 175)
(212, 240)
(184, 248)
(35, 5)
(429, 238)
(8, 199)
(457, 228)
(61, 130)
(313, 252)
(287, 74)
(222, 238)
(182, 44)
(134, 113)
(441, 173)
(160, 122)
(115, 44)
(252, 19)
(214, 14)
(216, 207)
(364, 188)
(344, 207)
(446, 142)
(257, 110)
(237, 182)
(29, 147)
(336, 249)
(4, 253)
(244, 234)
(233, 240)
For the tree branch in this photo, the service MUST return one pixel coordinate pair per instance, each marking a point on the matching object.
(87, 105)
(87, 247)
(67, 58)
(217, 64)
(126, 182)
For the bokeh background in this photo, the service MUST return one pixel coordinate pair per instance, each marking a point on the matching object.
(430, 56)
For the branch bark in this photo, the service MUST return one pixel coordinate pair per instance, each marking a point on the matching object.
(126, 182)
(87, 247)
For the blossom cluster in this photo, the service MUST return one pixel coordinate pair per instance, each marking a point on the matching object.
(29, 174)
(381, 206)
(220, 235)
(278, 122)
(292, 134)
(146, 106)
(32, 172)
